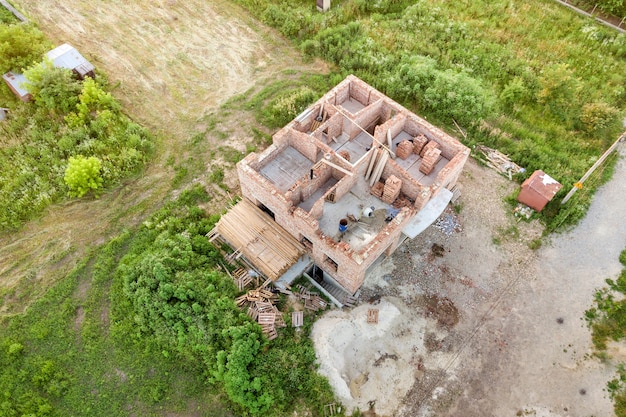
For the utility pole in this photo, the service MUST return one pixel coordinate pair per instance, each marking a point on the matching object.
(579, 184)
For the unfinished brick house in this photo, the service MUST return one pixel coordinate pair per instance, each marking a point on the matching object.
(345, 182)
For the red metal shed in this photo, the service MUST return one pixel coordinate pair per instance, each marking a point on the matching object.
(538, 190)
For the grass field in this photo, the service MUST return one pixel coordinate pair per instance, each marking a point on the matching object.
(171, 69)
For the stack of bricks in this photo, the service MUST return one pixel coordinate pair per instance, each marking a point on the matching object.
(405, 148)
(345, 155)
(429, 145)
(377, 189)
(418, 143)
(392, 189)
(431, 157)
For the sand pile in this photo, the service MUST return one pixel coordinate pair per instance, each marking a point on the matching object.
(371, 364)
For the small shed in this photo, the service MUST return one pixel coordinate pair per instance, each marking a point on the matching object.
(538, 190)
(4, 113)
(66, 56)
(16, 84)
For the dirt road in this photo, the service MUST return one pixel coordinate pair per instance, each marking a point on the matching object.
(491, 328)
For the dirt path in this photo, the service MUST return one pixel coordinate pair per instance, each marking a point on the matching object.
(494, 328)
(173, 62)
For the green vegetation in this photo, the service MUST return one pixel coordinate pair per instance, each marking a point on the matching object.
(608, 322)
(550, 96)
(67, 121)
(614, 7)
(20, 46)
(147, 324)
(83, 175)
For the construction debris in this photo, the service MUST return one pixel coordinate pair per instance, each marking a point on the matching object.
(448, 224)
(497, 160)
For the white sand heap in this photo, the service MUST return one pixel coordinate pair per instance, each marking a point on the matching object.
(370, 362)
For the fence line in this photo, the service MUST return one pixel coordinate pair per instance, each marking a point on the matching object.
(13, 10)
(598, 19)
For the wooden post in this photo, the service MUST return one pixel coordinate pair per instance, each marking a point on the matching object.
(579, 184)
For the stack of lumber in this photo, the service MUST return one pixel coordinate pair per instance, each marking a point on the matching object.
(419, 142)
(392, 188)
(312, 300)
(430, 145)
(404, 150)
(259, 238)
(431, 157)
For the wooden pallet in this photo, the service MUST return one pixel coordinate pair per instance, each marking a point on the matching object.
(330, 410)
(266, 318)
(297, 318)
(270, 332)
(372, 315)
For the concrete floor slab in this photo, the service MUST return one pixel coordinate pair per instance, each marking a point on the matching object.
(287, 168)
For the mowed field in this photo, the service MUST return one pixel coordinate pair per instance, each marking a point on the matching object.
(171, 63)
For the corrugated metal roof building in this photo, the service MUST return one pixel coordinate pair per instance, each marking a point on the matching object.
(538, 190)
(66, 56)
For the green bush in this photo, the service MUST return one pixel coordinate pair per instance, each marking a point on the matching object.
(21, 45)
(287, 105)
(596, 117)
(460, 97)
(83, 175)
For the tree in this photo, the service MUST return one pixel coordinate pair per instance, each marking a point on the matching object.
(21, 46)
(82, 175)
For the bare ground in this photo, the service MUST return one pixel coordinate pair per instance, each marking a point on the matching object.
(173, 62)
(484, 326)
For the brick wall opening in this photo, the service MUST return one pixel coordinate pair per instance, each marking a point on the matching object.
(267, 210)
(331, 264)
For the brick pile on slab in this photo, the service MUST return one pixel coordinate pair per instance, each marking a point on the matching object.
(405, 148)
(392, 189)
(377, 190)
(431, 157)
(345, 155)
(419, 142)
(429, 145)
